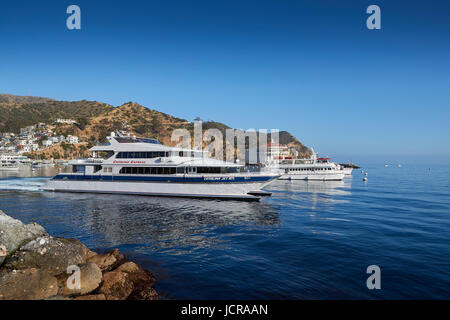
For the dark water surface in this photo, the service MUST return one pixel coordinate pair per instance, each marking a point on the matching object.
(310, 240)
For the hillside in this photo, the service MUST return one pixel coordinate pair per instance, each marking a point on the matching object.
(96, 120)
(9, 98)
(288, 139)
(15, 114)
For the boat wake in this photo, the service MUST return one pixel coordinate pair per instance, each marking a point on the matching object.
(23, 184)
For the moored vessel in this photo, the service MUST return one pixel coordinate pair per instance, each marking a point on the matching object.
(9, 163)
(310, 169)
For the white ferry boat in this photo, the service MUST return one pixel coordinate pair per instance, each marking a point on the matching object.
(9, 163)
(310, 169)
(43, 164)
(140, 166)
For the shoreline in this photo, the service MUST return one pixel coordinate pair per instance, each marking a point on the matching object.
(36, 266)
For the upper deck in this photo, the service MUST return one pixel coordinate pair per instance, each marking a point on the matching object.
(133, 151)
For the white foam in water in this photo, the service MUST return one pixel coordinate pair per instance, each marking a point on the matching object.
(23, 184)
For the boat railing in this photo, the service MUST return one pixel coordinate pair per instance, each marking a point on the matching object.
(88, 160)
(94, 160)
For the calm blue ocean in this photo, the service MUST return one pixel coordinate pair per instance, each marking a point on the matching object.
(310, 240)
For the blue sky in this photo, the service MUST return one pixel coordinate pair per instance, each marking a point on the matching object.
(309, 67)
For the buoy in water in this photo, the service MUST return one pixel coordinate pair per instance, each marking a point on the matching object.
(365, 179)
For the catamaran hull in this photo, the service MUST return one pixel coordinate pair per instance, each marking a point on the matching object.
(237, 191)
(347, 171)
(314, 177)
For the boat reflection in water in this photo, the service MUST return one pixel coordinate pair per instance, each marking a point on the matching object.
(332, 188)
(28, 172)
(158, 223)
(312, 195)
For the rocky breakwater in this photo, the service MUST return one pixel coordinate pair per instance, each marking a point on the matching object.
(35, 265)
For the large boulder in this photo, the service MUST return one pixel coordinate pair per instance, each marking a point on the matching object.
(54, 255)
(116, 285)
(108, 261)
(90, 279)
(136, 274)
(13, 234)
(143, 282)
(28, 284)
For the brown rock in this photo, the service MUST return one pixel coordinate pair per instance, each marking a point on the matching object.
(129, 267)
(29, 284)
(90, 279)
(143, 282)
(108, 261)
(92, 297)
(58, 298)
(144, 293)
(137, 275)
(116, 285)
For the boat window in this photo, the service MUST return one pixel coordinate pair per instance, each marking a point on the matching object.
(180, 169)
(148, 170)
(78, 169)
(135, 140)
(104, 154)
(208, 170)
(142, 155)
(191, 169)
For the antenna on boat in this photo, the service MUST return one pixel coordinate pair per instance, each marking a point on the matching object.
(314, 155)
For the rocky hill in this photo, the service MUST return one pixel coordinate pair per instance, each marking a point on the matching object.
(96, 120)
(9, 98)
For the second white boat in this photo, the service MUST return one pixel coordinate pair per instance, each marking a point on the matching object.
(319, 169)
